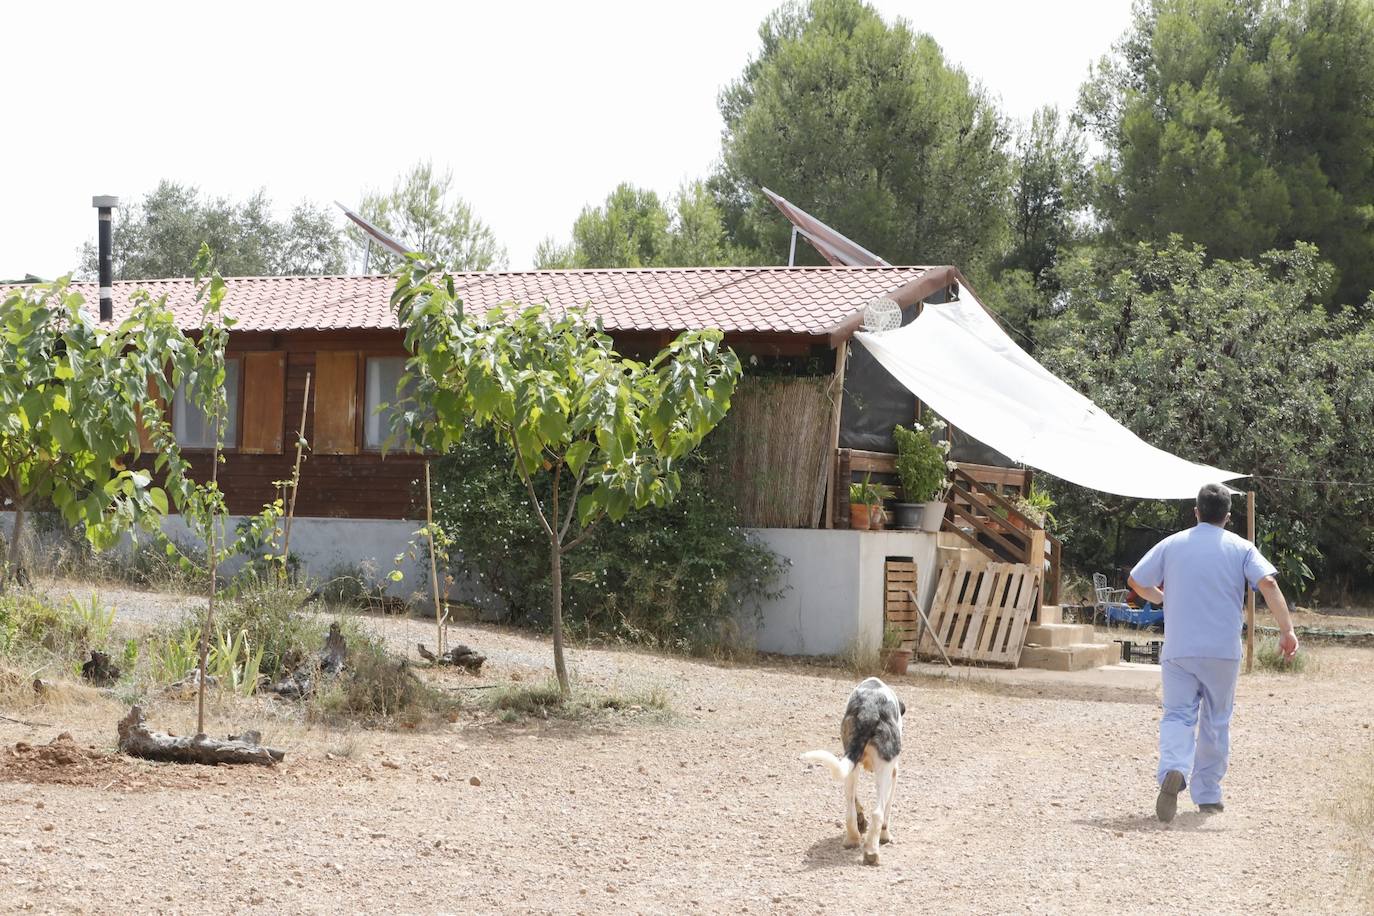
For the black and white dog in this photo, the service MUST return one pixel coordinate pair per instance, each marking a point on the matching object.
(871, 732)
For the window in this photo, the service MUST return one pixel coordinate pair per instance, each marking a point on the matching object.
(194, 429)
(383, 374)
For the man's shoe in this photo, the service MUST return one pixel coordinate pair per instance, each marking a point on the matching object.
(1166, 805)
(1212, 808)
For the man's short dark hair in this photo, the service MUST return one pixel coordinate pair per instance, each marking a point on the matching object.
(1213, 503)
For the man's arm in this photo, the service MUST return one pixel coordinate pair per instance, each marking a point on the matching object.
(1278, 607)
(1153, 595)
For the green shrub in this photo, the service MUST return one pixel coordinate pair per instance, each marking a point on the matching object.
(351, 585)
(1268, 657)
(270, 619)
(672, 577)
(29, 622)
(379, 690)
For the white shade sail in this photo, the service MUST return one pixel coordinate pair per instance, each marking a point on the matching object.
(957, 360)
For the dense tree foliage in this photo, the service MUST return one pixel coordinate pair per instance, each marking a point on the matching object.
(161, 236)
(1231, 363)
(1244, 125)
(423, 214)
(863, 123)
(674, 576)
(636, 228)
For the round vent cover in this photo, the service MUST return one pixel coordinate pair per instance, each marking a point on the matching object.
(882, 314)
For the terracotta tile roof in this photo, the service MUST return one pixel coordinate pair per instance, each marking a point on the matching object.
(786, 300)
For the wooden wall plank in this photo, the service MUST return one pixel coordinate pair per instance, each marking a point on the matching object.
(264, 403)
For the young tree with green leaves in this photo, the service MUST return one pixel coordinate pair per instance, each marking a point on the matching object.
(423, 214)
(1243, 125)
(865, 124)
(608, 432)
(73, 397)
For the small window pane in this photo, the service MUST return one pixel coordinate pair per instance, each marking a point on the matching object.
(383, 373)
(193, 427)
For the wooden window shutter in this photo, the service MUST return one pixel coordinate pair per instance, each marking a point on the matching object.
(264, 403)
(145, 439)
(336, 403)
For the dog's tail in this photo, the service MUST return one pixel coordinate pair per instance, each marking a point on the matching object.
(839, 767)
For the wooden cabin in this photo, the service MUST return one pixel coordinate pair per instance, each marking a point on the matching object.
(342, 333)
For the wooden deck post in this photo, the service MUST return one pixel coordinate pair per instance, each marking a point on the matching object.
(1250, 592)
(833, 456)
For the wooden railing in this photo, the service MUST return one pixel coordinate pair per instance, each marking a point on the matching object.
(1003, 536)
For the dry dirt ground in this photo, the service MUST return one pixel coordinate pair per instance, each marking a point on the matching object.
(1035, 802)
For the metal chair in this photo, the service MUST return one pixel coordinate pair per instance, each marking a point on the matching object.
(1107, 598)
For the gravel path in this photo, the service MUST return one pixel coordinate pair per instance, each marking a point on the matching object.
(1007, 803)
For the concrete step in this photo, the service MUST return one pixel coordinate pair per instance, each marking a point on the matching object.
(1057, 635)
(1051, 613)
(1075, 657)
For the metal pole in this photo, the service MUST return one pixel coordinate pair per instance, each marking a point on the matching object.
(1250, 593)
(792, 252)
(104, 206)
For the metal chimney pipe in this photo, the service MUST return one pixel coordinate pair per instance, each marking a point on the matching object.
(105, 205)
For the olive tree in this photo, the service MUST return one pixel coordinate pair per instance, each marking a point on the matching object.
(598, 434)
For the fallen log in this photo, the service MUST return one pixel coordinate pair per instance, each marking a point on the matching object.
(137, 740)
(459, 657)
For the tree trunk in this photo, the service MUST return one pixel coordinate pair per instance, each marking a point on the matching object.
(14, 555)
(557, 572)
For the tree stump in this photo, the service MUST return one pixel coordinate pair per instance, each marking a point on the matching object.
(99, 669)
(137, 740)
(300, 683)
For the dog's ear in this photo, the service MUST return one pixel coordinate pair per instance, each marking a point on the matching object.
(901, 706)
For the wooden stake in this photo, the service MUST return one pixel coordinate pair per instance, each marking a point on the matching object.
(433, 567)
(1250, 593)
(841, 357)
(211, 551)
(295, 479)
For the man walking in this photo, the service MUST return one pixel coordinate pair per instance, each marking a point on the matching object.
(1204, 572)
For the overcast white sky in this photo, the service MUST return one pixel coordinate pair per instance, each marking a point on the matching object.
(539, 107)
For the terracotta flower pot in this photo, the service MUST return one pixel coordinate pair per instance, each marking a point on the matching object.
(896, 660)
(859, 516)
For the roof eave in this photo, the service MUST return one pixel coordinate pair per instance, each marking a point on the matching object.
(923, 287)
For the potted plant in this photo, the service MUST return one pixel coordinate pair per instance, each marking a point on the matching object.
(866, 504)
(922, 467)
(895, 657)
(1036, 506)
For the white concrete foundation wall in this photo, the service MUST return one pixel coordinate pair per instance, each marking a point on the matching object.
(833, 588)
(324, 545)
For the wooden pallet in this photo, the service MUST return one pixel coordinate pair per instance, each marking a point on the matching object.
(980, 612)
(898, 609)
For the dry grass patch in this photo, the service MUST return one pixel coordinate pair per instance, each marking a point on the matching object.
(1268, 657)
(543, 700)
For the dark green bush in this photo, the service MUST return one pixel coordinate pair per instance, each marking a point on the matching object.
(671, 577)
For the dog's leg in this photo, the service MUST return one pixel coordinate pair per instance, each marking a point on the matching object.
(882, 775)
(852, 837)
(886, 835)
(859, 813)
